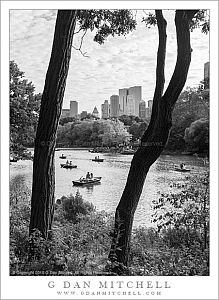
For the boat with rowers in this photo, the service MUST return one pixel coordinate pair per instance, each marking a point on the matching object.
(128, 152)
(98, 159)
(68, 165)
(83, 181)
(181, 170)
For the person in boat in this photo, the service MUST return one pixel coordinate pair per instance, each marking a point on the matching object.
(91, 176)
(67, 163)
(182, 166)
(70, 162)
(88, 175)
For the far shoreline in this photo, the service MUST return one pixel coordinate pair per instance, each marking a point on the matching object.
(165, 152)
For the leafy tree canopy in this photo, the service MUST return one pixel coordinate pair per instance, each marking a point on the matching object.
(24, 108)
(197, 135)
(106, 22)
(200, 20)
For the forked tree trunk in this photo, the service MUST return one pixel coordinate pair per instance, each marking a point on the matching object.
(156, 135)
(43, 187)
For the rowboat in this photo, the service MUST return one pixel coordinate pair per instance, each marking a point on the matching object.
(67, 166)
(181, 170)
(62, 156)
(128, 152)
(84, 181)
(98, 159)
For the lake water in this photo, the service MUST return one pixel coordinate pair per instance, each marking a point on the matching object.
(114, 171)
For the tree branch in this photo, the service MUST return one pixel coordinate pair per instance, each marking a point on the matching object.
(177, 81)
(79, 49)
(161, 54)
(160, 76)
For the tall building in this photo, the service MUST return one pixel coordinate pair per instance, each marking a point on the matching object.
(129, 100)
(65, 113)
(105, 110)
(73, 108)
(148, 109)
(206, 75)
(123, 93)
(207, 70)
(142, 109)
(95, 112)
(150, 103)
(147, 113)
(72, 112)
(114, 106)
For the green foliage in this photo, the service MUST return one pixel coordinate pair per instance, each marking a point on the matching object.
(106, 22)
(66, 120)
(113, 133)
(193, 104)
(129, 120)
(24, 109)
(184, 216)
(137, 130)
(150, 20)
(80, 238)
(165, 261)
(197, 136)
(72, 208)
(107, 132)
(200, 20)
(180, 246)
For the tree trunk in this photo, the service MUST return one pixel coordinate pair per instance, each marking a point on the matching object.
(156, 135)
(43, 187)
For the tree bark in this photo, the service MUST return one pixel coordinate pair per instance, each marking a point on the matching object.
(156, 135)
(43, 187)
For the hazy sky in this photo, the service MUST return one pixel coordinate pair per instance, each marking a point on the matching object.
(120, 62)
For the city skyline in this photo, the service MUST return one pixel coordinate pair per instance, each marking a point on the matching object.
(119, 63)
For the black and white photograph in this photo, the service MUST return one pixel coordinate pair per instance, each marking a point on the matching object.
(109, 156)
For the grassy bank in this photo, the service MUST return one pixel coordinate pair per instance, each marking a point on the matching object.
(80, 240)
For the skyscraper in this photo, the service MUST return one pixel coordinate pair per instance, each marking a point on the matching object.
(72, 112)
(150, 103)
(114, 106)
(105, 110)
(73, 108)
(207, 70)
(142, 109)
(206, 75)
(123, 93)
(129, 100)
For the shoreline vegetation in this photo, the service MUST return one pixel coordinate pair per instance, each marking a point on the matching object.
(80, 238)
(27, 153)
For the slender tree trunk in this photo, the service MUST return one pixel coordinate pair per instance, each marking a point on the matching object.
(43, 187)
(156, 135)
